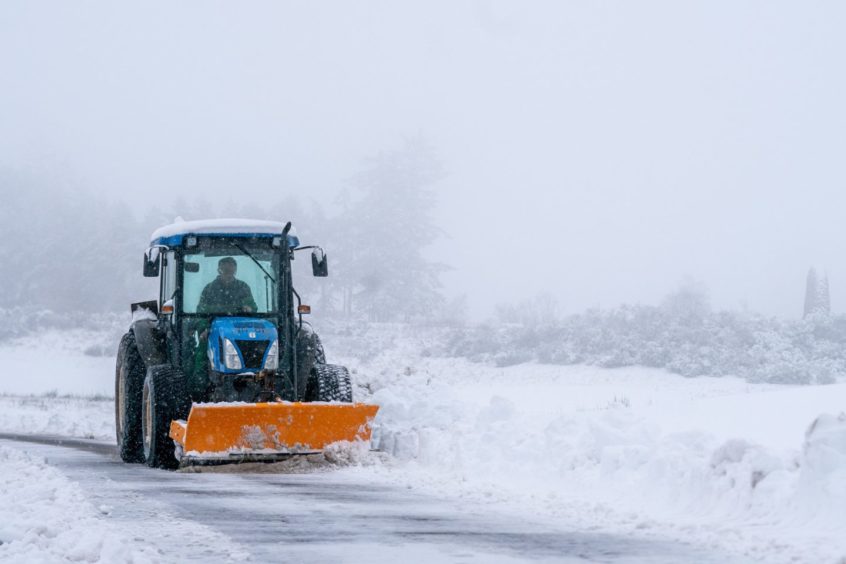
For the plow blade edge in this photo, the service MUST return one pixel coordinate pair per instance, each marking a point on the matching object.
(231, 430)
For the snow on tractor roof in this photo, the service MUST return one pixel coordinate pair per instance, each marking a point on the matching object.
(172, 234)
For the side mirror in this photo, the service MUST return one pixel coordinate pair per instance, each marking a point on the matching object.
(152, 262)
(192, 267)
(319, 266)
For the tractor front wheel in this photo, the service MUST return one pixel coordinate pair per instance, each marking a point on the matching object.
(129, 381)
(163, 399)
(309, 354)
(329, 382)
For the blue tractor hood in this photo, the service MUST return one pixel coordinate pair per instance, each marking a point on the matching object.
(241, 344)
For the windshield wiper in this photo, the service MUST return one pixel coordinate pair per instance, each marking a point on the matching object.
(246, 252)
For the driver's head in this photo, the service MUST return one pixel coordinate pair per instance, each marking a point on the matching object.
(227, 267)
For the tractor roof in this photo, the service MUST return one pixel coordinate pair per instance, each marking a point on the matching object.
(173, 234)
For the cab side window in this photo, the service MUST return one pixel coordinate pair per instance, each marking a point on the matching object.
(168, 276)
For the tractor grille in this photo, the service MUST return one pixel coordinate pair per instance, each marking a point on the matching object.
(253, 352)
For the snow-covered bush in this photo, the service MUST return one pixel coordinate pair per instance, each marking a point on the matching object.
(690, 341)
(681, 335)
(20, 322)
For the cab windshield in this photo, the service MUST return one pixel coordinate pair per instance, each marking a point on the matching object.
(230, 277)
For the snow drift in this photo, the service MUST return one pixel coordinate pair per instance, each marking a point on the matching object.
(624, 448)
(45, 518)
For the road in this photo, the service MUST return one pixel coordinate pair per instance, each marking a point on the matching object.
(321, 517)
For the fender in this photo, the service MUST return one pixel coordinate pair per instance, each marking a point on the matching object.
(149, 341)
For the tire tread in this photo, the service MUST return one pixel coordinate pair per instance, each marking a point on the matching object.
(170, 401)
(128, 433)
(329, 382)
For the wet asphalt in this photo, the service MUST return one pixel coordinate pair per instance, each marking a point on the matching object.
(322, 516)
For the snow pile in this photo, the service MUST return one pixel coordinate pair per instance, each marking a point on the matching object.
(45, 518)
(349, 453)
(90, 418)
(822, 477)
(143, 314)
(630, 449)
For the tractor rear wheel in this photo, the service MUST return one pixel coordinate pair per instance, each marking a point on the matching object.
(129, 381)
(164, 399)
(329, 382)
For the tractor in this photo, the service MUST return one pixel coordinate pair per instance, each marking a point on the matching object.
(222, 367)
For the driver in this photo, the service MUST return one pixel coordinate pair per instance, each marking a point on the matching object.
(226, 294)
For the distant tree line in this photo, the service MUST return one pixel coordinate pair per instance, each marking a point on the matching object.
(682, 334)
(73, 260)
(66, 250)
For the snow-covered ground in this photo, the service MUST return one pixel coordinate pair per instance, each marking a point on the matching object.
(46, 518)
(86, 417)
(713, 461)
(53, 362)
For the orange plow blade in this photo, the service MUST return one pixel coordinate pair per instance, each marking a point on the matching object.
(233, 430)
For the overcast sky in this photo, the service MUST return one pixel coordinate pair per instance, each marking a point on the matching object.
(600, 151)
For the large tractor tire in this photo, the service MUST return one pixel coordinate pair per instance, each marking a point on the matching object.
(129, 383)
(328, 382)
(164, 399)
(309, 354)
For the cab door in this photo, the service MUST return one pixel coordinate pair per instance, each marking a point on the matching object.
(167, 304)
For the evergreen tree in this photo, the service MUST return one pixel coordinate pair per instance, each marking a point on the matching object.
(811, 288)
(70, 250)
(381, 237)
(824, 299)
(817, 299)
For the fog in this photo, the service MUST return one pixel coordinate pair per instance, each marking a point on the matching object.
(601, 152)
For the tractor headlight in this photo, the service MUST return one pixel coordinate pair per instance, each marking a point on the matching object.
(272, 362)
(231, 358)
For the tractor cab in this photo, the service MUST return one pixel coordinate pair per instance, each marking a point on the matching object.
(226, 304)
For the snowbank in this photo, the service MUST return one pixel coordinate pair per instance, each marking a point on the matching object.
(45, 518)
(629, 449)
(821, 484)
(89, 418)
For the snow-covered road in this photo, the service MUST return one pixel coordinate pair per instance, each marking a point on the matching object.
(322, 516)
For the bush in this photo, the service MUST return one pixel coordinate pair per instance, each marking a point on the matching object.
(682, 336)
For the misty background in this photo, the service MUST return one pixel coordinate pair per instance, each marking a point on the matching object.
(482, 161)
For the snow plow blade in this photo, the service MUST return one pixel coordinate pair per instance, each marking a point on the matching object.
(227, 431)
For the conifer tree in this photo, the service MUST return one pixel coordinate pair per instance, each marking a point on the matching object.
(823, 300)
(811, 285)
(383, 231)
(817, 299)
